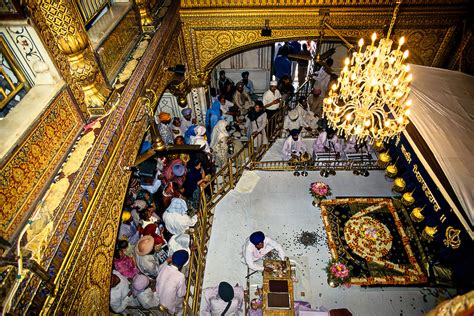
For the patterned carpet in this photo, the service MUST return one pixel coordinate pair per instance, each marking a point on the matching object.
(370, 235)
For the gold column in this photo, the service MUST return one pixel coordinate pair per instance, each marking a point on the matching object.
(146, 19)
(60, 17)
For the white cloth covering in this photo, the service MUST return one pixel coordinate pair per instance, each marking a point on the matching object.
(443, 114)
(178, 223)
(292, 146)
(119, 298)
(147, 264)
(148, 298)
(251, 253)
(171, 288)
(199, 140)
(214, 305)
(289, 124)
(219, 132)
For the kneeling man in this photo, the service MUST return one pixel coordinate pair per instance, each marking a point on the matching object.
(257, 246)
(293, 146)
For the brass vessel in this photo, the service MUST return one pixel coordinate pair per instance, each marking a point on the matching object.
(399, 185)
(391, 171)
(407, 198)
(384, 160)
(429, 233)
(416, 214)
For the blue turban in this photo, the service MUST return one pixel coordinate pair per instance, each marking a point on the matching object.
(180, 257)
(295, 132)
(226, 291)
(257, 237)
(186, 111)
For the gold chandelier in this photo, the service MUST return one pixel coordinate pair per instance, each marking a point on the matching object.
(369, 99)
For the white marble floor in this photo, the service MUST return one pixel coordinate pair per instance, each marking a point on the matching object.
(280, 205)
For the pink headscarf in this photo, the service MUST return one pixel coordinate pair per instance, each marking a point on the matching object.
(140, 282)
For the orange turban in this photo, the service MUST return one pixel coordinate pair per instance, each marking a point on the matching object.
(163, 116)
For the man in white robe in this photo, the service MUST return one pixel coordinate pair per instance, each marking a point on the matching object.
(187, 120)
(216, 300)
(327, 141)
(256, 123)
(120, 293)
(176, 219)
(171, 283)
(293, 145)
(256, 247)
(147, 297)
(144, 258)
(271, 99)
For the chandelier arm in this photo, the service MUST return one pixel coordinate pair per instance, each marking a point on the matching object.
(394, 17)
(349, 45)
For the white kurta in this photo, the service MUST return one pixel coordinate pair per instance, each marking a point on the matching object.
(214, 305)
(292, 146)
(199, 140)
(119, 299)
(146, 264)
(269, 97)
(177, 223)
(171, 288)
(318, 145)
(148, 299)
(252, 254)
(185, 124)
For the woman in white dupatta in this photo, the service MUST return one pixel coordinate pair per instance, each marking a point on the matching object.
(219, 138)
(176, 218)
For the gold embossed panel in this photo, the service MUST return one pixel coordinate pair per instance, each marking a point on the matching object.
(216, 29)
(113, 52)
(30, 167)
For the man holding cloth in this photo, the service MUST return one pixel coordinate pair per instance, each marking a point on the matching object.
(257, 246)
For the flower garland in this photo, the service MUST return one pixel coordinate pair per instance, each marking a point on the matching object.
(319, 190)
(338, 272)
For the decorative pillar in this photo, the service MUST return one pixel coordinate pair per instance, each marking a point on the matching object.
(197, 101)
(146, 19)
(61, 20)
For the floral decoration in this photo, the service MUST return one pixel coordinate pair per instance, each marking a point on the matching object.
(319, 190)
(338, 272)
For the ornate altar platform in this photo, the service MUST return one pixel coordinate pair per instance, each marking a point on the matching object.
(372, 235)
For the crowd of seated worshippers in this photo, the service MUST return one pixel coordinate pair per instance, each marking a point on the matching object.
(153, 242)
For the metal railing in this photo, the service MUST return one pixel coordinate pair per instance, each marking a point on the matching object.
(12, 80)
(90, 8)
(341, 165)
(220, 184)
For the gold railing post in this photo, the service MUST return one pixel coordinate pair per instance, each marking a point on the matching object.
(231, 176)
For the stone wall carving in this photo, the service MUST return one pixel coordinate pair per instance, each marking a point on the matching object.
(30, 167)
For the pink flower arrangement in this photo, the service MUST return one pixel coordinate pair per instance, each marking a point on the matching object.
(339, 273)
(319, 190)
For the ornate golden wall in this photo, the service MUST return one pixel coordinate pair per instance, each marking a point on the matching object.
(214, 30)
(28, 169)
(80, 251)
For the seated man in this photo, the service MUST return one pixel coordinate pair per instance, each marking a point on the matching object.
(242, 99)
(293, 146)
(257, 246)
(223, 300)
(310, 121)
(145, 295)
(327, 141)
